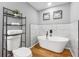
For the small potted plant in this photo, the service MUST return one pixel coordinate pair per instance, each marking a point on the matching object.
(16, 12)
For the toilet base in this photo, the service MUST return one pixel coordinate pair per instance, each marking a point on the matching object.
(22, 52)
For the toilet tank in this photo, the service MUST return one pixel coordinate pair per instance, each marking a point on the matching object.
(13, 42)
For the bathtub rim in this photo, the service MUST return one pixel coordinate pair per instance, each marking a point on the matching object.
(62, 39)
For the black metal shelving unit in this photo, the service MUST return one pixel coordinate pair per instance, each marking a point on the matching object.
(5, 25)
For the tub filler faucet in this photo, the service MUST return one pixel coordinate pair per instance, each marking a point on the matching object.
(47, 34)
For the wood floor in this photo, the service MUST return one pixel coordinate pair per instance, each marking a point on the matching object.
(38, 51)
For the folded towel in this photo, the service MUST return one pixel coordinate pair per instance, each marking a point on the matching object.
(15, 23)
(14, 32)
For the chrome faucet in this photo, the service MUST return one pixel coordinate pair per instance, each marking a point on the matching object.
(46, 34)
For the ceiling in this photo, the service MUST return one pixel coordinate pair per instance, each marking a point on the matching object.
(44, 5)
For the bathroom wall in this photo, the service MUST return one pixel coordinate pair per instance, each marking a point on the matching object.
(70, 19)
(60, 27)
(67, 26)
(65, 14)
(74, 27)
(28, 11)
(74, 37)
(34, 32)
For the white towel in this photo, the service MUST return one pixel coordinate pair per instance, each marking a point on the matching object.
(14, 32)
(15, 23)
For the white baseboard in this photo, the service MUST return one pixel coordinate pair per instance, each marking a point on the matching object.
(71, 51)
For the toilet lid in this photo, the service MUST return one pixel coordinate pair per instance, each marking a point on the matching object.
(22, 52)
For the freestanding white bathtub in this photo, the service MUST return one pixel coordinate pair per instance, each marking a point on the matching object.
(54, 43)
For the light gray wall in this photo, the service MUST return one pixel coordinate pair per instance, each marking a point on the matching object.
(74, 27)
(74, 37)
(35, 30)
(65, 15)
(44, 26)
(70, 16)
(59, 26)
(26, 9)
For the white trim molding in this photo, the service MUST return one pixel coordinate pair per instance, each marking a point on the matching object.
(71, 51)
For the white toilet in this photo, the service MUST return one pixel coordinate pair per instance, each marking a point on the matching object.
(22, 52)
(13, 44)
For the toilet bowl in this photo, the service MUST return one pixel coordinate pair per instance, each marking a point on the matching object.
(22, 52)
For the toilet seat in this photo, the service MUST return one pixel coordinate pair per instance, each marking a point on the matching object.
(22, 52)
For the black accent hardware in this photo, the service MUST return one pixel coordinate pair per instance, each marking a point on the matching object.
(5, 26)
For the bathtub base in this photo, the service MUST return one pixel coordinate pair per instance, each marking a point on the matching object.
(45, 47)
